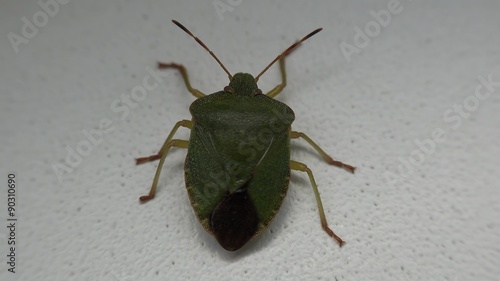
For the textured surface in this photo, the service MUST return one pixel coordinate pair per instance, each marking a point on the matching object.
(370, 109)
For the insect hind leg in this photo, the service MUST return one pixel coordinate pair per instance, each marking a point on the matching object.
(162, 154)
(294, 165)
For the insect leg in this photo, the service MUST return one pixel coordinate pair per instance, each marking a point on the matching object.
(166, 147)
(185, 77)
(276, 90)
(294, 165)
(162, 154)
(184, 123)
(328, 158)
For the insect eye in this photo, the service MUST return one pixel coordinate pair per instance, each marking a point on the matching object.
(257, 92)
(229, 89)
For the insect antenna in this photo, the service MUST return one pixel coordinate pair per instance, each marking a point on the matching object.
(287, 51)
(204, 46)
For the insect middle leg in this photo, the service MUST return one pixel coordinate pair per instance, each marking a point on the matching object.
(294, 165)
(276, 90)
(185, 77)
(162, 154)
(328, 158)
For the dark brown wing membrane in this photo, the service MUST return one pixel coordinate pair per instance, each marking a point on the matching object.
(234, 221)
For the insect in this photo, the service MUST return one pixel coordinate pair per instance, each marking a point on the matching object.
(237, 168)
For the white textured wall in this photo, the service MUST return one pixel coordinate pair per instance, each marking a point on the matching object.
(439, 222)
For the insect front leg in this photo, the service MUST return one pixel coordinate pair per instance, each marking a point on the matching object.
(294, 165)
(328, 158)
(185, 77)
(162, 154)
(276, 90)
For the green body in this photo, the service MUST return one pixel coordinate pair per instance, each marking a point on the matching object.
(237, 168)
(238, 136)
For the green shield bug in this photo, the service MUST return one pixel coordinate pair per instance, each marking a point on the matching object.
(237, 168)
